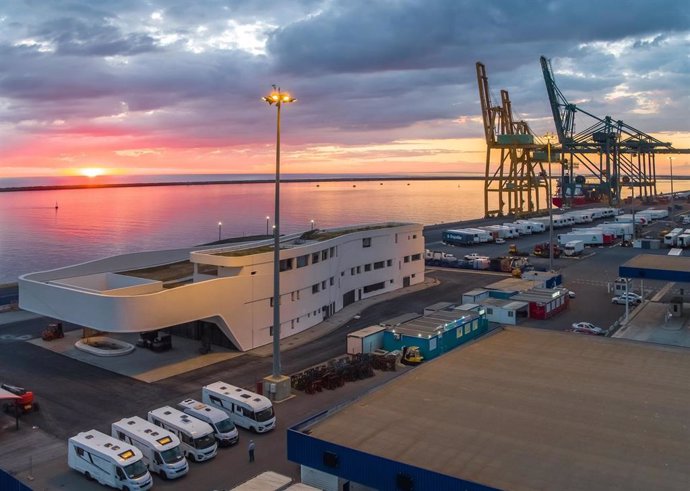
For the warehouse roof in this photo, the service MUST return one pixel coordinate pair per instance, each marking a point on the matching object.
(656, 267)
(532, 409)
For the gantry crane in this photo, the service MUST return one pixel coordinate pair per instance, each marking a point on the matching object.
(517, 177)
(614, 153)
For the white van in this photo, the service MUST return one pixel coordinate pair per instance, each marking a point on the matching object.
(160, 448)
(247, 409)
(223, 428)
(109, 461)
(196, 437)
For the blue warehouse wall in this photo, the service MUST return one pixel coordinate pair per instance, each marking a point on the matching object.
(369, 470)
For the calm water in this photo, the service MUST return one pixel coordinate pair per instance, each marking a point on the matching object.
(94, 223)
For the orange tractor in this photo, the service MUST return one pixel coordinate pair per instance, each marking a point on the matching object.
(24, 403)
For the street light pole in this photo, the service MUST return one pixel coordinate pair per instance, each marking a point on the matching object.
(550, 200)
(670, 163)
(278, 98)
(312, 225)
(220, 227)
(267, 223)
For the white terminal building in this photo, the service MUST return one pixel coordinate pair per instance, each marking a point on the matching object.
(231, 286)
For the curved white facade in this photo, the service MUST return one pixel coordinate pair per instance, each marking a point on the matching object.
(232, 286)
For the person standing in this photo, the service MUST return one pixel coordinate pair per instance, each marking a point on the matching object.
(251, 450)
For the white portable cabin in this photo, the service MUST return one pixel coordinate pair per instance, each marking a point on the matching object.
(247, 409)
(109, 461)
(196, 437)
(223, 427)
(160, 448)
(365, 340)
(683, 240)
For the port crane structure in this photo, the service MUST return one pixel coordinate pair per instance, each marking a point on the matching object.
(613, 153)
(517, 179)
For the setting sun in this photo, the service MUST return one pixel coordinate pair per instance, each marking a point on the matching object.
(91, 171)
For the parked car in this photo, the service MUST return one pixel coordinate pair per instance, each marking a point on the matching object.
(629, 298)
(583, 331)
(589, 328)
(571, 294)
(500, 241)
(470, 257)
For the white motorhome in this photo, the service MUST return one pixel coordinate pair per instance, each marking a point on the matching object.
(223, 428)
(521, 228)
(196, 437)
(574, 248)
(671, 238)
(483, 235)
(109, 461)
(247, 409)
(160, 448)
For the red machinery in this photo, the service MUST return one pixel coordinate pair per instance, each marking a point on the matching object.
(24, 402)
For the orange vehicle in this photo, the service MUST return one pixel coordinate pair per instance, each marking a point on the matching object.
(23, 404)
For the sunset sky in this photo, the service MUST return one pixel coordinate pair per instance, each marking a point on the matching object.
(171, 86)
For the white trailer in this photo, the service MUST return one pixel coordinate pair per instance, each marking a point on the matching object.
(671, 238)
(498, 231)
(574, 248)
(580, 216)
(196, 437)
(627, 217)
(483, 235)
(622, 229)
(654, 213)
(159, 447)
(247, 409)
(365, 340)
(223, 428)
(535, 226)
(520, 228)
(109, 461)
(587, 238)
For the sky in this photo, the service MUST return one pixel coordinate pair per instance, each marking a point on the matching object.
(383, 86)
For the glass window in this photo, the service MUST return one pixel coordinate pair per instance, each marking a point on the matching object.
(379, 265)
(367, 267)
(315, 258)
(323, 285)
(315, 288)
(359, 269)
(332, 280)
(366, 242)
(406, 259)
(324, 254)
(416, 257)
(332, 251)
(303, 261)
(286, 264)
(389, 263)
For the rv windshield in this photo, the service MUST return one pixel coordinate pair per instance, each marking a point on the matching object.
(136, 470)
(171, 455)
(225, 426)
(264, 415)
(204, 441)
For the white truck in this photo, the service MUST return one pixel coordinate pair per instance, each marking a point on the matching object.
(223, 428)
(574, 248)
(247, 409)
(196, 437)
(160, 448)
(109, 461)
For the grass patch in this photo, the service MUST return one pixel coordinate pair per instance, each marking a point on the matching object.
(166, 272)
(322, 235)
(246, 252)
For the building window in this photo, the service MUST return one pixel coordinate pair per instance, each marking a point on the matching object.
(332, 251)
(414, 236)
(332, 280)
(292, 324)
(416, 257)
(342, 273)
(285, 264)
(374, 287)
(352, 271)
(324, 254)
(511, 313)
(315, 258)
(379, 265)
(270, 331)
(323, 285)
(489, 311)
(406, 259)
(292, 296)
(315, 288)
(396, 238)
(297, 294)
(391, 282)
(414, 274)
(366, 242)
(303, 261)
(389, 263)
(367, 267)
(359, 269)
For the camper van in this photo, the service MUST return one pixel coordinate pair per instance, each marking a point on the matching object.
(223, 428)
(196, 437)
(109, 461)
(160, 448)
(247, 409)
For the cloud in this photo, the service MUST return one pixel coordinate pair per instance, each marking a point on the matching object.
(142, 75)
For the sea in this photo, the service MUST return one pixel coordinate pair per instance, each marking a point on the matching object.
(52, 228)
